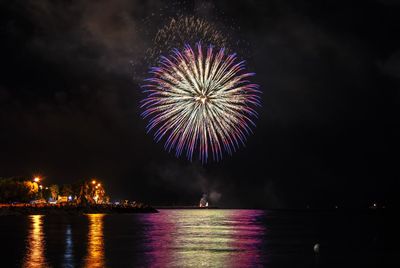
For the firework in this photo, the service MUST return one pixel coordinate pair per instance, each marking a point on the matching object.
(182, 30)
(200, 101)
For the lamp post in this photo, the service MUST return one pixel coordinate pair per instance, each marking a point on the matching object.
(37, 180)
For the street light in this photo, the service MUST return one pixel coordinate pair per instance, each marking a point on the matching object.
(36, 179)
(93, 181)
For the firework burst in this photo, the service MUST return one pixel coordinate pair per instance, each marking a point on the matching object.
(200, 103)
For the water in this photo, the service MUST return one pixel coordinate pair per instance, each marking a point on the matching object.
(198, 238)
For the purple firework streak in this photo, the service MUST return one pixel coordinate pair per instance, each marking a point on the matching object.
(200, 103)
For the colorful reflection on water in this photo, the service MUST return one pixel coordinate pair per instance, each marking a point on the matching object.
(247, 242)
(212, 238)
(171, 238)
(193, 238)
(95, 246)
(36, 244)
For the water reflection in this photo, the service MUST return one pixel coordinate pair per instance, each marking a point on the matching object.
(213, 238)
(171, 238)
(95, 248)
(35, 251)
(247, 243)
(68, 254)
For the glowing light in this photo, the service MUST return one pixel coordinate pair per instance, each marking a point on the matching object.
(36, 179)
(200, 103)
(93, 181)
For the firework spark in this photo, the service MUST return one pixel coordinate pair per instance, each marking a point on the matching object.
(200, 102)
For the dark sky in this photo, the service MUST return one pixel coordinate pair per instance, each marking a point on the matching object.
(328, 130)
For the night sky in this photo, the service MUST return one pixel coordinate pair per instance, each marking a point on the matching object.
(327, 133)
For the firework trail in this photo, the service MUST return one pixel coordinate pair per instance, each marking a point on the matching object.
(200, 102)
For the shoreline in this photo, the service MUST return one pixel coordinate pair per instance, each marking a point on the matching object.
(46, 209)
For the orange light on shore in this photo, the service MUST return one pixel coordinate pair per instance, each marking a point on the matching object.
(36, 179)
(99, 184)
(93, 181)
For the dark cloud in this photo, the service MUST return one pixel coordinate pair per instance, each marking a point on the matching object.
(99, 34)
